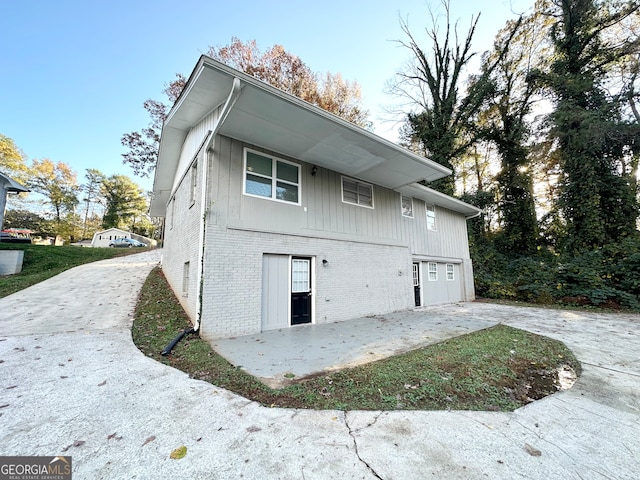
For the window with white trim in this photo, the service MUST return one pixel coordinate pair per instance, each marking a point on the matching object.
(357, 193)
(431, 217)
(185, 279)
(270, 177)
(194, 183)
(173, 211)
(407, 206)
(432, 270)
(450, 270)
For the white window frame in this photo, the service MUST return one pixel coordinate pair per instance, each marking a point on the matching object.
(410, 199)
(451, 276)
(274, 179)
(432, 271)
(193, 183)
(431, 217)
(358, 184)
(173, 211)
(185, 278)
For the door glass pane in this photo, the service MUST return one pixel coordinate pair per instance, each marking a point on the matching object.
(300, 275)
(258, 186)
(258, 164)
(416, 277)
(287, 172)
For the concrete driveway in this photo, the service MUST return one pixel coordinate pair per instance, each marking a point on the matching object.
(72, 383)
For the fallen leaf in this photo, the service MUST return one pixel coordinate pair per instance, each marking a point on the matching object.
(12, 386)
(102, 384)
(253, 429)
(178, 453)
(534, 452)
(76, 443)
(149, 440)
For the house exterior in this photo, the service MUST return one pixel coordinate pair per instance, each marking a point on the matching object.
(105, 237)
(8, 185)
(278, 213)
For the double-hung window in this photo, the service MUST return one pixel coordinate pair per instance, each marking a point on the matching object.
(431, 217)
(357, 193)
(407, 206)
(194, 183)
(450, 272)
(269, 177)
(432, 269)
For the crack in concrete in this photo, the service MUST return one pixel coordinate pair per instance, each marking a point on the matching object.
(355, 443)
(622, 372)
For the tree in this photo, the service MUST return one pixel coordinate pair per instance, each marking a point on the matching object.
(12, 161)
(20, 218)
(504, 121)
(124, 202)
(597, 199)
(275, 66)
(92, 193)
(143, 146)
(443, 124)
(57, 183)
(289, 73)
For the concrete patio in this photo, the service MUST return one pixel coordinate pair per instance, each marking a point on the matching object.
(73, 383)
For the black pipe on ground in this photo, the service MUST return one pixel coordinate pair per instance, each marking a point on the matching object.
(173, 343)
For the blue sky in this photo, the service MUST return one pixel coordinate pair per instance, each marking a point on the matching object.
(76, 73)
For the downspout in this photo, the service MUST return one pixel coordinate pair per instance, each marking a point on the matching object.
(204, 210)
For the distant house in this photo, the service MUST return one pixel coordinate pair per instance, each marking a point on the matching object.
(8, 185)
(278, 213)
(106, 237)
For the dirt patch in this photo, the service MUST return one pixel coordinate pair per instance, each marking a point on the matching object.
(538, 383)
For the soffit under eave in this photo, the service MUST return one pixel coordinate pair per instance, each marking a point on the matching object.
(434, 197)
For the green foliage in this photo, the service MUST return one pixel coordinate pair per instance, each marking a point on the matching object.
(597, 200)
(12, 160)
(125, 203)
(608, 277)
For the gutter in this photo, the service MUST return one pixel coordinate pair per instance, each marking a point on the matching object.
(236, 88)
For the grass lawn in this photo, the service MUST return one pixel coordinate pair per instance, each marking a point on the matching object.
(498, 369)
(45, 261)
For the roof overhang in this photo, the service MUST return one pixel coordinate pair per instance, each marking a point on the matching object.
(270, 118)
(11, 185)
(434, 197)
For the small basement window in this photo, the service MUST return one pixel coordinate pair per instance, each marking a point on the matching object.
(185, 279)
(357, 193)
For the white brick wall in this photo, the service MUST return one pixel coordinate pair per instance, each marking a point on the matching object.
(182, 228)
(360, 279)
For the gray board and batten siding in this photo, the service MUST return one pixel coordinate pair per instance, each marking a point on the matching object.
(323, 214)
